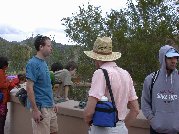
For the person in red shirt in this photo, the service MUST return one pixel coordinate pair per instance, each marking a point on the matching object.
(5, 87)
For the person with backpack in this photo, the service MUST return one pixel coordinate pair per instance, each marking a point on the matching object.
(64, 78)
(159, 101)
(116, 84)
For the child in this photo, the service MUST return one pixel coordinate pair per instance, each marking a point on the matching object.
(5, 86)
(54, 68)
(65, 77)
(55, 82)
(22, 80)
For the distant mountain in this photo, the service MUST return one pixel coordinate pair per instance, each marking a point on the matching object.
(30, 41)
(3, 40)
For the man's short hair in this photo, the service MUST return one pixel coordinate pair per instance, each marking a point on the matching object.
(3, 62)
(40, 40)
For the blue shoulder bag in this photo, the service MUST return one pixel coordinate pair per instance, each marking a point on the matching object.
(106, 113)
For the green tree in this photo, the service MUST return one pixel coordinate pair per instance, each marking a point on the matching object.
(150, 24)
(137, 32)
(83, 28)
(19, 55)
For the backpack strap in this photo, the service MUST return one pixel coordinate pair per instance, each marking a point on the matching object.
(154, 78)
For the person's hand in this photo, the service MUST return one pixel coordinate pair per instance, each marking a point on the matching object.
(37, 116)
(90, 123)
(55, 109)
(9, 80)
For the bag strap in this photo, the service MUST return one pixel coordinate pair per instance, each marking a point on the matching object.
(110, 90)
(154, 78)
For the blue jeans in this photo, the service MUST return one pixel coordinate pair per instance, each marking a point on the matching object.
(152, 131)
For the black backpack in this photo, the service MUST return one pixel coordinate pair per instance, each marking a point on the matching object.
(22, 96)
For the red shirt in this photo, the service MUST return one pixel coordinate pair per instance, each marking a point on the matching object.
(6, 86)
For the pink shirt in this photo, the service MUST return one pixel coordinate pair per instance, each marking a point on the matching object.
(121, 84)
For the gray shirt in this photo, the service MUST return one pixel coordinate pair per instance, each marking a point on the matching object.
(64, 76)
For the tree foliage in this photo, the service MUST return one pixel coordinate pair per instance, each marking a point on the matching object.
(137, 31)
(19, 55)
(83, 27)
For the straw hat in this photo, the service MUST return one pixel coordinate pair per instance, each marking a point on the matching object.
(102, 50)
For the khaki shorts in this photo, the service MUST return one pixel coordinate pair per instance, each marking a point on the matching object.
(48, 124)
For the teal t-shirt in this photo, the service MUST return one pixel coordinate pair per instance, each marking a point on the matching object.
(37, 71)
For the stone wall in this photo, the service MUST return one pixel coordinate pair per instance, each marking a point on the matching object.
(70, 119)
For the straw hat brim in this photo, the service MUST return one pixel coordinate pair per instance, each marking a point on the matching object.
(111, 57)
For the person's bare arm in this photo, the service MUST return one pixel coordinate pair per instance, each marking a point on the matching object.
(133, 112)
(89, 110)
(37, 116)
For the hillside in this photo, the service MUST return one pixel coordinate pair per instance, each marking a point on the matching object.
(29, 42)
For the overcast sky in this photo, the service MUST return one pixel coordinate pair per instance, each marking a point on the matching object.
(19, 19)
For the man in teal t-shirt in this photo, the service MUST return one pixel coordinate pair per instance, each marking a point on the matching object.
(39, 89)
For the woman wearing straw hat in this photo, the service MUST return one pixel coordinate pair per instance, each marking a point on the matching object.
(121, 85)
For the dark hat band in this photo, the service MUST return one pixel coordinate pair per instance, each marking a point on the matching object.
(102, 53)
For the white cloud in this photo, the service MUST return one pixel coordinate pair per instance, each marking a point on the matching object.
(44, 16)
(6, 29)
